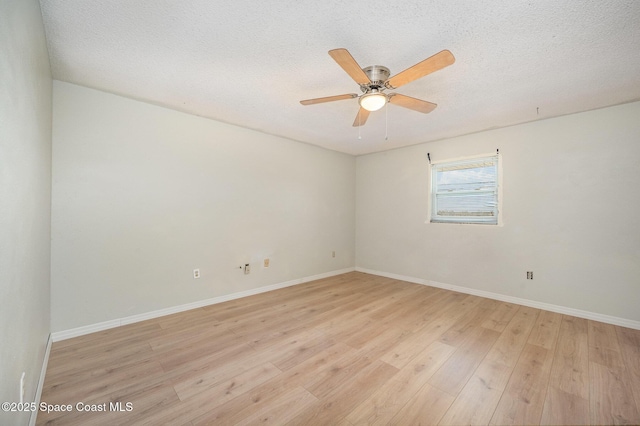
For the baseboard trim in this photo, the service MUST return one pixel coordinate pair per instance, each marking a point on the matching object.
(43, 372)
(623, 322)
(105, 325)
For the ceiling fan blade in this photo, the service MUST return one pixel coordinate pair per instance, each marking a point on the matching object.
(328, 99)
(412, 103)
(346, 61)
(361, 118)
(429, 65)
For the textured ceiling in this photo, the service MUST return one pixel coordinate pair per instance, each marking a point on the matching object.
(249, 63)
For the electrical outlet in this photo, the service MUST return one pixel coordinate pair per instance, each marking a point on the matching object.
(247, 269)
(529, 275)
(22, 388)
(196, 274)
(266, 263)
(333, 254)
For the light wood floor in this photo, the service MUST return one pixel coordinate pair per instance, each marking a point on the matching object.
(350, 350)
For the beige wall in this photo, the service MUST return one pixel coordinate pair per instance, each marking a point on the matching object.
(25, 199)
(570, 211)
(142, 195)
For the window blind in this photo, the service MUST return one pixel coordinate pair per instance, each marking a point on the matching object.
(465, 191)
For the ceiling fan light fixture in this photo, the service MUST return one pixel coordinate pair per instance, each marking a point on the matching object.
(372, 101)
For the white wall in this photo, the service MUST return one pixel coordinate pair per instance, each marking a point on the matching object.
(25, 200)
(570, 204)
(142, 195)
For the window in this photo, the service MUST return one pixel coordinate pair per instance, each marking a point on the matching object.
(465, 191)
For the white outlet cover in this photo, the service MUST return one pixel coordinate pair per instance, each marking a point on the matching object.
(22, 388)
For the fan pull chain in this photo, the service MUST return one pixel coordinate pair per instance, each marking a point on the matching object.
(386, 121)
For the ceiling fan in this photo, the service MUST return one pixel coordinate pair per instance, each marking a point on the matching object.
(374, 80)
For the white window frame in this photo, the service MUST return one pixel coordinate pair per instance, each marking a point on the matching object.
(433, 166)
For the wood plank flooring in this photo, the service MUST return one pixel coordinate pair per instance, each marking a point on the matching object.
(355, 349)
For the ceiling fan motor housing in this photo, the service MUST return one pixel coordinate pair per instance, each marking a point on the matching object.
(378, 75)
